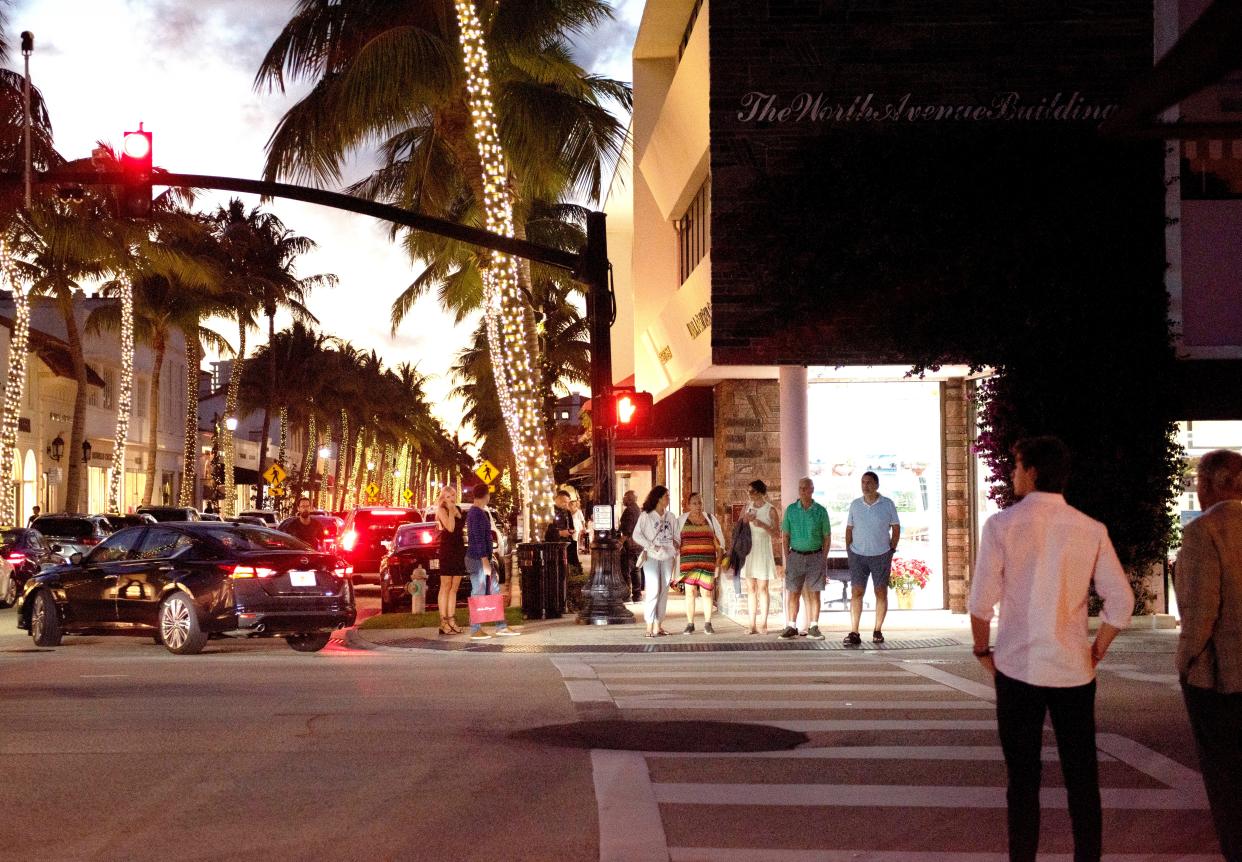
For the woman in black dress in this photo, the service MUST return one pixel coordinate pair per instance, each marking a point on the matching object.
(452, 558)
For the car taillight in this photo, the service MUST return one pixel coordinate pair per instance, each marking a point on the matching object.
(343, 570)
(426, 536)
(242, 572)
(15, 559)
(91, 540)
(349, 540)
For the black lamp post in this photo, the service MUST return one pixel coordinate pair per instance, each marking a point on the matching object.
(57, 449)
(86, 451)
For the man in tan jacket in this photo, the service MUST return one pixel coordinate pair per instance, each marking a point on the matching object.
(1209, 650)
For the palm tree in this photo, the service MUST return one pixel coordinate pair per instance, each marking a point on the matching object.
(389, 69)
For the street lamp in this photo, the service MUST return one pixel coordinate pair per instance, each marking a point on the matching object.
(86, 451)
(231, 423)
(396, 474)
(57, 449)
(325, 452)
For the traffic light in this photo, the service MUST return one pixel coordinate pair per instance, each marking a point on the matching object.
(134, 195)
(630, 411)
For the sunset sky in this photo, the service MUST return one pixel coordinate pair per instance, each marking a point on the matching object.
(186, 70)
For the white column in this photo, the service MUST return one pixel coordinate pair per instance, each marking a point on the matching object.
(795, 455)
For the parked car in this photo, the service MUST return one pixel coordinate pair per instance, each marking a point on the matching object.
(365, 532)
(169, 514)
(267, 516)
(120, 522)
(25, 553)
(73, 532)
(417, 545)
(212, 516)
(329, 530)
(183, 583)
(246, 519)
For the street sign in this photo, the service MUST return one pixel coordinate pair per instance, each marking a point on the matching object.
(407, 495)
(275, 474)
(487, 472)
(276, 490)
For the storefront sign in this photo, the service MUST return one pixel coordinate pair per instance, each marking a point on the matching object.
(701, 321)
(665, 355)
(761, 107)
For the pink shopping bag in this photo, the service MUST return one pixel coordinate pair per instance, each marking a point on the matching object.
(487, 609)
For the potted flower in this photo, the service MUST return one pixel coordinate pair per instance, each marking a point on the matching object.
(906, 576)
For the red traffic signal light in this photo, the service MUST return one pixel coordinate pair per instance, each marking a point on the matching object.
(134, 195)
(629, 411)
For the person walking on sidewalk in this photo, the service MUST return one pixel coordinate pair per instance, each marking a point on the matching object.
(452, 556)
(629, 548)
(701, 546)
(1038, 559)
(656, 534)
(807, 537)
(759, 570)
(872, 531)
(1209, 648)
(479, 557)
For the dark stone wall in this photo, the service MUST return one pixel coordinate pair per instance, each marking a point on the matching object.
(864, 101)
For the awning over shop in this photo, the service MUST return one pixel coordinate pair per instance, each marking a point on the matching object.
(245, 476)
(55, 353)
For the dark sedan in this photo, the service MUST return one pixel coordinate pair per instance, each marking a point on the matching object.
(184, 583)
(417, 545)
(72, 532)
(27, 553)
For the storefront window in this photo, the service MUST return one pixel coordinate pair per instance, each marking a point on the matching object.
(894, 430)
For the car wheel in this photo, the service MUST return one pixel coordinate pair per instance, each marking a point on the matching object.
(45, 621)
(309, 643)
(179, 627)
(10, 593)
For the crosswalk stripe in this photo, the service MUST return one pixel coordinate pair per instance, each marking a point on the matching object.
(630, 826)
(850, 725)
(910, 796)
(781, 673)
(755, 854)
(657, 701)
(865, 752)
(773, 686)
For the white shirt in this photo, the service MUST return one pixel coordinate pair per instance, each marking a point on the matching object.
(656, 533)
(871, 525)
(1037, 559)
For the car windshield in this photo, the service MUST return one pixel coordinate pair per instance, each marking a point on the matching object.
(247, 538)
(73, 528)
(167, 514)
(9, 538)
(416, 534)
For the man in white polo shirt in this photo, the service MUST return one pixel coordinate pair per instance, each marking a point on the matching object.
(872, 531)
(1037, 559)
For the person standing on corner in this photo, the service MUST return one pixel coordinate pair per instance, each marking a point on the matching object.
(656, 534)
(872, 531)
(701, 545)
(1038, 559)
(452, 556)
(562, 528)
(807, 537)
(629, 548)
(479, 557)
(1209, 648)
(759, 570)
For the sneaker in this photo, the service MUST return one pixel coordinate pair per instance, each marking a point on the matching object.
(688, 630)
(788, 634)
(814, 634)
(877, 637)
(480, 635)
(506, 632)
(852, 639)
(707, 629)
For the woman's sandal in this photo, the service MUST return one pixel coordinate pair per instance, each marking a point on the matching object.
(444, 626)
(452, 624)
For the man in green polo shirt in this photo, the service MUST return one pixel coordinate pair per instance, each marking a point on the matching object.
(807, 537)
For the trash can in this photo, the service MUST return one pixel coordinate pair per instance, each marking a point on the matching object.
(417, 588)
(544, 570)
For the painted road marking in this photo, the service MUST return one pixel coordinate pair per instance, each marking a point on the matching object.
(630, 826)
(657, 701)
(772, 686)
(868, 752)
(735, 854)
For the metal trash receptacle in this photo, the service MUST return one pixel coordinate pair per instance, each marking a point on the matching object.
(544, 570)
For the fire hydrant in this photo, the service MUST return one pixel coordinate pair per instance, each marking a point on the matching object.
(417, 588)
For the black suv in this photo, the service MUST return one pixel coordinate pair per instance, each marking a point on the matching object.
(27, 554)
(367, 537)
(120, 522)
(166, 514)
(181, 584)
(72, 532)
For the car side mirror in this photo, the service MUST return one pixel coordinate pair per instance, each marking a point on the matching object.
(56, 549)
(76, 558)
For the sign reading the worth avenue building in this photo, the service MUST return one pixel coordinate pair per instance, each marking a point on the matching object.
(897, 183)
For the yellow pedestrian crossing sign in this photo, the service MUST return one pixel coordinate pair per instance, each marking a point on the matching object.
(372, 490)
(275, 474)
(407, 495)
(487, 472)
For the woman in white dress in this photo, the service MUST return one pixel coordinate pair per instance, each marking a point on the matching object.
(760, 566)
(656, 534)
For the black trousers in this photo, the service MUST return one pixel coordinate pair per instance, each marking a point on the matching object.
(1020, 711)
(1216, 720)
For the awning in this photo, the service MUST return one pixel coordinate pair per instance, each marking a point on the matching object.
(54, 353)
(245, 476)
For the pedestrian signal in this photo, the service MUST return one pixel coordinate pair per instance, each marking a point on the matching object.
(630, 411)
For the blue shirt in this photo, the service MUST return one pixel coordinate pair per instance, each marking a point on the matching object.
(871, 536)
(478, 533)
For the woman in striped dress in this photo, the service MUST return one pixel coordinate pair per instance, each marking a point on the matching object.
(701, 545)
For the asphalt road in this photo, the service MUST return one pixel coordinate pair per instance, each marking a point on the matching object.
(113, 749)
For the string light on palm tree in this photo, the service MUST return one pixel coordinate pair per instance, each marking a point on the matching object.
(124, 397)
(15, 386)
(514, 365)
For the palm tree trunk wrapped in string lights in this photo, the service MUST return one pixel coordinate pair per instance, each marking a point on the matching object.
(124, 397)
(14, 389)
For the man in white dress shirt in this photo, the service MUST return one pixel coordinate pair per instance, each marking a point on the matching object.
(1037, 559)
